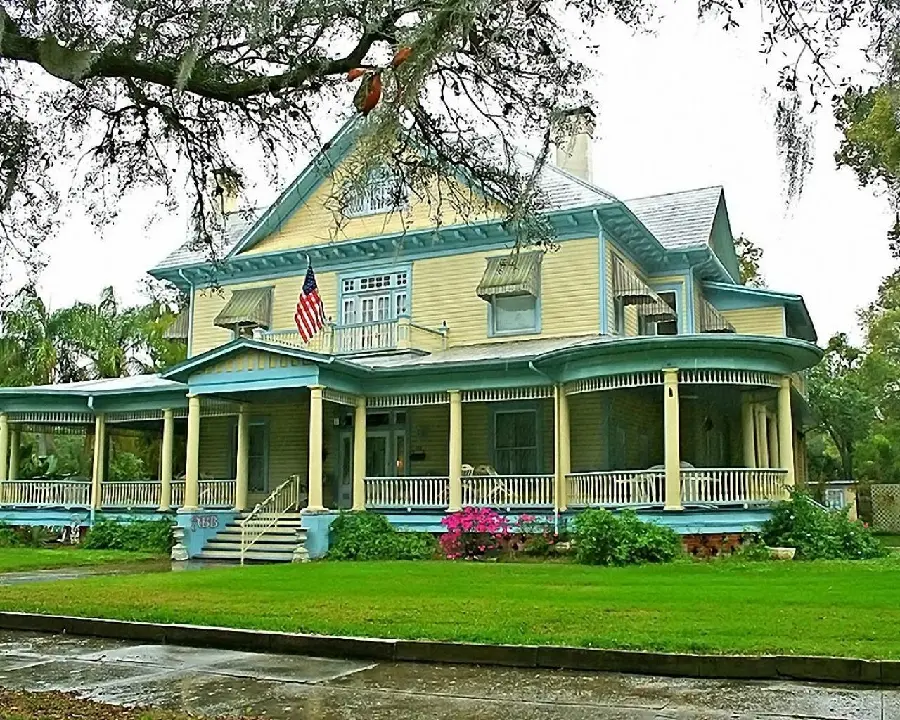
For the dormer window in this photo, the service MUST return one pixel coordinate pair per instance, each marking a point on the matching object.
(382, 191)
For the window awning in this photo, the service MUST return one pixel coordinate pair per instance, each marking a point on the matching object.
(516, 274)
(178, 330)
(711, 320)
(247, 308)
(631, 290)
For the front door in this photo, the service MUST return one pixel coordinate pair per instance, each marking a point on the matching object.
(378, 454)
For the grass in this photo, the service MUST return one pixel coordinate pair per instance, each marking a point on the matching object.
(889, 540)
(25, 559)
(818, 608)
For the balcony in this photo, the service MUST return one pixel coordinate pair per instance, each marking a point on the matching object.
(400, 334)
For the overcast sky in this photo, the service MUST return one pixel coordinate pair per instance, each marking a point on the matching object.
(681, 108)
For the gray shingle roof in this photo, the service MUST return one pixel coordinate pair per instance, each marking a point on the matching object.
(680, 219)
(236, 224)
(108, 385)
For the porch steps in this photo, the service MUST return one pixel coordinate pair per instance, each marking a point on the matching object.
(277, 544)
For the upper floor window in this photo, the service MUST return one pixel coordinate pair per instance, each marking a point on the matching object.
(374, 298)
(511, 285)
(514, 314)
(661, 323)
(383, 190)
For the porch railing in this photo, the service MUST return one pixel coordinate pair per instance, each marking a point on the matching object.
(407, 492)
(616, 488)
(732, 485)
(283, 499)
(508, 491)
(131, 494)
(177, 493)
(46, 493)
(217, 493)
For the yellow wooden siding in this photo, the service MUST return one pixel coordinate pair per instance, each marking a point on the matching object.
(208, 303)
(319, 220)
(430, 434)
(215, 447)
(757, 321)
(443, 289)
(636, 429)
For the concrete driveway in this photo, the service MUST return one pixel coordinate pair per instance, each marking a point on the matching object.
(224, 682)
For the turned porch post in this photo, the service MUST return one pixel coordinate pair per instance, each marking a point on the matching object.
(786, 431)
(166, 461)
(359, 454)
(315, 449)
(192, 463)
(672, 440)
(455, 470)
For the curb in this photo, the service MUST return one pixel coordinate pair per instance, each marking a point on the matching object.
(732, 667)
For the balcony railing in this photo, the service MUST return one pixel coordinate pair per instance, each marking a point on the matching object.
(400, 334)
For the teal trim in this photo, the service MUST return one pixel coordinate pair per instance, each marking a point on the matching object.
(722, 241)
(255, 380)
(691, 315)
(684, 324)
(603, 282)
(391, 292)
(150, 401)
(736, 297)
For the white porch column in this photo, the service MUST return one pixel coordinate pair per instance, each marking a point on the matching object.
(772, 428)
(166, 460)
(563, 448)
(762, 437)
(748, 434)
(359, 454)
(4, 446)
(455, 451)
(315, 449)
(786, 431)
(192, 462)
(672, 439)
(99, 463)
(242, 461)
(14, 439)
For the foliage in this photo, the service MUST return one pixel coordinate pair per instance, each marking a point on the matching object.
(137, 536)
(369, 536)
(749, 257)
(538, 537)
(84, 341)
(819, 533)
(473, 533)
(752, 551)
(127, 466)
(604, 538)
(22, 705)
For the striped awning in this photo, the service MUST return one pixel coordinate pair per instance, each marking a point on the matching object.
(631, 290)
(516, 274)
(711, 320)
(178, 330)
(248, 308)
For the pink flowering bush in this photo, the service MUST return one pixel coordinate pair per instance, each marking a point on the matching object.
(473, 533)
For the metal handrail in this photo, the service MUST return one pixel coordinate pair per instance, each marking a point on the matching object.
(267, 513)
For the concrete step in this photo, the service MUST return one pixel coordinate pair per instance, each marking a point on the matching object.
(252, 555)
(258, 546)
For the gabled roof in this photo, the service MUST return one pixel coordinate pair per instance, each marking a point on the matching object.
(679, 220)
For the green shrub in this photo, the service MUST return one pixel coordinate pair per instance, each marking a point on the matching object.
(126, 466)
(602, 538)
(26, 536)
(138, 536)
(819, 533)
(369, 536)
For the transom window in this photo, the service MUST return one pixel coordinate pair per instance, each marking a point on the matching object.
(375, 298)
(516, 442)
(382, 191)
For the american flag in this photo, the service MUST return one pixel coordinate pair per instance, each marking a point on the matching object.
(310, 315)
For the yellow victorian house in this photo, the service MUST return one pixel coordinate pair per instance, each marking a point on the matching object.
(629, 368)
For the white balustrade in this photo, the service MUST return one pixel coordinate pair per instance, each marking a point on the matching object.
(46, 493)
(508, 491)
(131, 494)
(177, 493)
(217, 493)
(366, 336)
(732, 485)
(616, 488)
(407, 492)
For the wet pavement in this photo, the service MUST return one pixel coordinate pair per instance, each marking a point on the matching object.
(218, 682)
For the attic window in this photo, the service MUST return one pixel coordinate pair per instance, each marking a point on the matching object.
(382, 191)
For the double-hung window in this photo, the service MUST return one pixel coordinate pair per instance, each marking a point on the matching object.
(516, 442)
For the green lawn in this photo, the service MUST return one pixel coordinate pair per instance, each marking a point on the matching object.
(820, 608)
(24, 559)
(889, 541)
